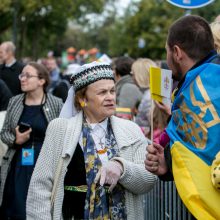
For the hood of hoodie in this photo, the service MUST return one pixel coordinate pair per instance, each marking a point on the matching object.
(124, 80)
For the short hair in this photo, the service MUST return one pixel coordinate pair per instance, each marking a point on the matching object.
(193, 35)
(215, 27)
(9, 45)
(141, 71)
(41, 72)
(123, 65)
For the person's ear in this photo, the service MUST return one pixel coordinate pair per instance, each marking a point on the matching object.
(82, 102)
(42, 82)
(178, 53)
(85, 102)
(116, 75)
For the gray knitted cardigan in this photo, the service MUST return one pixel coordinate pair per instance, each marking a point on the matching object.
(61, 140)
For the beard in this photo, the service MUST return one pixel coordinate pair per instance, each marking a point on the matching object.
(176, 70)
(176, 76)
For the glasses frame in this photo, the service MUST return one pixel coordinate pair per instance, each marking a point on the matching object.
(27, 76)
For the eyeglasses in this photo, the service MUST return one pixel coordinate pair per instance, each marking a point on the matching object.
(27, 76)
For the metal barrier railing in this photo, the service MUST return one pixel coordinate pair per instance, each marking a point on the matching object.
(163, 202)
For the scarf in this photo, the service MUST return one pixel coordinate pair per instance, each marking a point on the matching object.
(101, 204)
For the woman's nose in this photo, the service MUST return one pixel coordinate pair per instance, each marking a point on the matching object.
(111, 96)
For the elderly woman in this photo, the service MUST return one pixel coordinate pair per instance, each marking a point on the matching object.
(91, 165)
(23, 131)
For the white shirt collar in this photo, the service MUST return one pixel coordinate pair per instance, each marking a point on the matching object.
(103, 125)
(98, 133)
(10, 64)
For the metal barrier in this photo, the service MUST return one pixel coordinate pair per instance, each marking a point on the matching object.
(163, 202)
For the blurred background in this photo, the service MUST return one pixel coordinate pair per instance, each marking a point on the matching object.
(136, 28)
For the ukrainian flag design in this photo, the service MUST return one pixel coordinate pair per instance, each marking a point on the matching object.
(194, 131)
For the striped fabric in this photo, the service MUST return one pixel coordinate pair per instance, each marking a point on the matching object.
(51, 108)
(61, 140)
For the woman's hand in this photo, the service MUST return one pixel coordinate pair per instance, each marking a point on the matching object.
(22, 137)
(109, 174)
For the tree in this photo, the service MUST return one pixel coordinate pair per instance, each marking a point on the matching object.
(209, 12)
(149, 21)
(39, 25)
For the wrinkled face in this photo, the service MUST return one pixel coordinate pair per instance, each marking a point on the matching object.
(29, 79)
(4, 54)
(100, 100)
(172, 64)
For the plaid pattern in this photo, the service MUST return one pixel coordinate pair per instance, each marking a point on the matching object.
(51, 109)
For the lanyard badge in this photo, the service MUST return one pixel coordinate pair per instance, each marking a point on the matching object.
(27, 157)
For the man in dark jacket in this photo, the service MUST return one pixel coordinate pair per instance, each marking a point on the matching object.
(11, 68)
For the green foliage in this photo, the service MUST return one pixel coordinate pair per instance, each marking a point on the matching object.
(209, 12)
(42, 25)
(118, 40)
(75, 37)
(38, 26)
(150, 22)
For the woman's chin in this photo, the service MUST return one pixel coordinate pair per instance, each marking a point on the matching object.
(23, 89)
(110, 112)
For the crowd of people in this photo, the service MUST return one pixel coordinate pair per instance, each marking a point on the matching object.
(69, 157)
